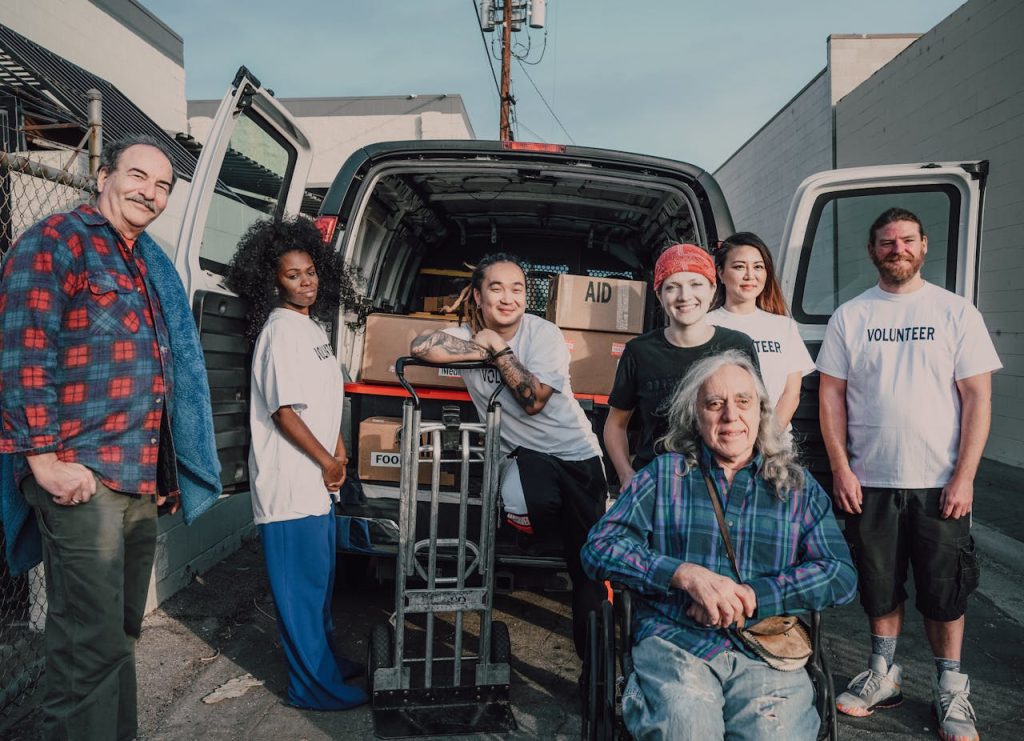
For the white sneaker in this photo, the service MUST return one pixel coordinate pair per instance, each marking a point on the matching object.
(871, 689)
(953, 709)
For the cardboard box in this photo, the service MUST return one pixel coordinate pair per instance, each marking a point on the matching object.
(435, 304)
(600, 304)
(594, 356)
(379, 453)
(387, 339)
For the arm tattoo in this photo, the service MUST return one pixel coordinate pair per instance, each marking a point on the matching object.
(519, 380)
(448, 345)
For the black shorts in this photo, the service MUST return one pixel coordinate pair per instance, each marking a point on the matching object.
(901, 526)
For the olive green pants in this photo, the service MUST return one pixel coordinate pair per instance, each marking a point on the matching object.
(98, 559)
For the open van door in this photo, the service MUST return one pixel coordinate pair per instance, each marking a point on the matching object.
(253, 164)
(824, 260)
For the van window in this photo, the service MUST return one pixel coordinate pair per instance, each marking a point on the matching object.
(252, 184)
(834, 263)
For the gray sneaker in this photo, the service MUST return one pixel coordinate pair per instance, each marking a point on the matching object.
(871, 689)
(953, 709)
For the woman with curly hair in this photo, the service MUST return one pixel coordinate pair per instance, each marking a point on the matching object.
(294, 283)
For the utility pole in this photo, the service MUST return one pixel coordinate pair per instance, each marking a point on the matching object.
(505, 125)
(513, 12)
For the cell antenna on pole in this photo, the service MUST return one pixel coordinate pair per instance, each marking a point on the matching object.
(538, 9)
(487, 15)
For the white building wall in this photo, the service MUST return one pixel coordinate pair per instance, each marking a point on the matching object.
(959, 94)
(337, 135)
(334, 138)
(760, 178)
(89, 37)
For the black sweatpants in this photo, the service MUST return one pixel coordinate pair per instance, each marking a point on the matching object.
(565, 499)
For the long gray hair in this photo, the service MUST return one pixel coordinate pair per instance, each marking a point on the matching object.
(780, 468)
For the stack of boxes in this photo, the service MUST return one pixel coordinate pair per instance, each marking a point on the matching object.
(597, 317)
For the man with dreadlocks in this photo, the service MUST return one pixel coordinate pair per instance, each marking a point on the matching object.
(554, 452)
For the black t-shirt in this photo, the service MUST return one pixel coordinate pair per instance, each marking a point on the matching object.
(650, 368)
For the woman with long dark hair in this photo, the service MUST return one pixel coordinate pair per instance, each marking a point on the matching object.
(749, 299)
(294, 284)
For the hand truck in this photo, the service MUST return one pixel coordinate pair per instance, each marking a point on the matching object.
(459, 692)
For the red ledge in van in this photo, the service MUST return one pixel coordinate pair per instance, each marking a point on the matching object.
(373, 389)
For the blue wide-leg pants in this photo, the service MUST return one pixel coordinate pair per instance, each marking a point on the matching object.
(300, 556)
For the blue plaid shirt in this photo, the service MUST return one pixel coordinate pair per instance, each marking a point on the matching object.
(790, 552)
(84, 359)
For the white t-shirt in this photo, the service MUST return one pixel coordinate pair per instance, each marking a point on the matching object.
(901, 355)
(561, 428)
(780, 349)
(293, 365)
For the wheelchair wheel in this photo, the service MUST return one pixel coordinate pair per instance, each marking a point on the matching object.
(598, 680)
(606, 683)
(588, 681)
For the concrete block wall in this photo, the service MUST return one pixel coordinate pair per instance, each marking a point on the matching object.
(958, 93)
(760, 178)
(108, 49)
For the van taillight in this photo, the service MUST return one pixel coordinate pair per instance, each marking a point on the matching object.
(534, 147)
(327, 225)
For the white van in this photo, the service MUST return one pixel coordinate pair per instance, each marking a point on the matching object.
(408, 212)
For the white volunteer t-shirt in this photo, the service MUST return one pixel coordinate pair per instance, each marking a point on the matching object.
(561, 428)
(780, 349)
(293, 365)
(901, 355)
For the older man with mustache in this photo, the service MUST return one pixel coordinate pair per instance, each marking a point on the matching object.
(906, 400)
(86, 388)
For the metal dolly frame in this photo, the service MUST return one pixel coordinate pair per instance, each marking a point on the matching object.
(433, 707)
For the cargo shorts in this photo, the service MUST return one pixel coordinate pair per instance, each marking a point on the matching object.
(897, 527)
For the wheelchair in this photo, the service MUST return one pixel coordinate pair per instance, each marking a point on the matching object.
(608, 662)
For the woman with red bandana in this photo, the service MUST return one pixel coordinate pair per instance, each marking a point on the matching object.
(652, 364)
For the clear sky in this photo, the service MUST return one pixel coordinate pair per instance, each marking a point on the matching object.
(686, 79)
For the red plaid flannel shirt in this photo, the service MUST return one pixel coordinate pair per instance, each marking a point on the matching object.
(84, 359)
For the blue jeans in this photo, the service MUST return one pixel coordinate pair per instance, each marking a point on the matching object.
(673, 695)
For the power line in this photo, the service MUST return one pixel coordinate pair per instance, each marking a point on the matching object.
(544, 101)
(487, 52)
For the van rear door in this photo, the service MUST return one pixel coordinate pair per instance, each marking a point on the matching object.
(824, 260)
(253, 164)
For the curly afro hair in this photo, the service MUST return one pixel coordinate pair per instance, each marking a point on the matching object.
(252, 273)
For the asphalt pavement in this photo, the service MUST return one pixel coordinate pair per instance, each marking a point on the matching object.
(222, 627)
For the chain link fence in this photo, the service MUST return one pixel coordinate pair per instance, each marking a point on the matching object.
(32, 186)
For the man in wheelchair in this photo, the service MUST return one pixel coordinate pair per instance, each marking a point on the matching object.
(693, 677)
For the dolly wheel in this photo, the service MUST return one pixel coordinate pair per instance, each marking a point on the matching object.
(378, 652)
(501, 644)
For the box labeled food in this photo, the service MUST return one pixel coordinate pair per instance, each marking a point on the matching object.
(388, 337)
(380, 453)
(600, 304)
(593, 359)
